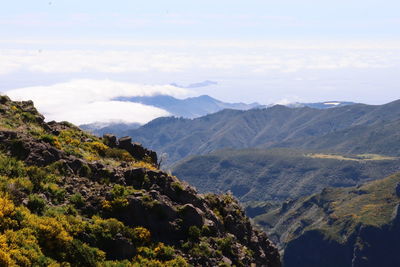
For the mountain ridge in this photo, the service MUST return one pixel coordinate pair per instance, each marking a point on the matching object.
(277, 126)
(191, 107)
(361, 224)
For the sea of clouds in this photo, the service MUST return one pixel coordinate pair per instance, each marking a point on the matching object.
(88, 101)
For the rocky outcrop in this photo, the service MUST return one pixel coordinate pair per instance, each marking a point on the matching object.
(136, 150)
(73, 173)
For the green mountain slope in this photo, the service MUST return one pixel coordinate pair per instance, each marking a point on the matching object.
(335, 129)
(279, 174)
(355, 227)
(68, 198)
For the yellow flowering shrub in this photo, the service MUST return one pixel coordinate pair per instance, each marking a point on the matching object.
(142, 235)
(7, 210)
(98, 147)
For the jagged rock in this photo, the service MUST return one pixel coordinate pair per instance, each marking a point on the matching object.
(125, 143)
(191, 216)
(139, 151)
(135, 177)
(7, 135)
(153, 156)
(110, 140)
(41, 154)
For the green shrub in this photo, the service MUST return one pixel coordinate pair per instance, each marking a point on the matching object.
(57, 194)
(194, 232)
(164, 253)
(202, 250)
(118, 191)
(36, 204)
(118, 154)
(37, 176)
(177, 187)
(206, 231)
(28, 117)
(11, 167)
(48, 138)
(77, 200)
(58, 168)
(83, 255)
(226, 245)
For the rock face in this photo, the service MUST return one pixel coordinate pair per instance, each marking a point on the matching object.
(128, 209)
(368, 247)
(346, 227)
(313, 249)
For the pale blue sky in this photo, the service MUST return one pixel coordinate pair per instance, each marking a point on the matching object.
(264, 51)
(256, 19)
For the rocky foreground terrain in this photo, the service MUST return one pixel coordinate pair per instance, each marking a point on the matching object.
(70, 198)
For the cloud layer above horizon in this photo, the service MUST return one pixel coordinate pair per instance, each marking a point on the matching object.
(89, 101)
(268, 71)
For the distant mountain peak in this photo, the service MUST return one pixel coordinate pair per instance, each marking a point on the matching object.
(191, 107)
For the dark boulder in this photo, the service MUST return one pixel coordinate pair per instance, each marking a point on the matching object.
(135, 177)
(41, 154)
(110, 140)
(139, 152)
(191, 216)
(125, 142)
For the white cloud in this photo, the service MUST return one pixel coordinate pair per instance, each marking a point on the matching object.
(116, 57)
(87, 101)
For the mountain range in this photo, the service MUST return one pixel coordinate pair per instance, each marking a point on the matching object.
(191, 107)
(356, 129)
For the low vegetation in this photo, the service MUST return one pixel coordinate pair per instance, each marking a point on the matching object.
(359, 157)
(68, 199)
(280, 174)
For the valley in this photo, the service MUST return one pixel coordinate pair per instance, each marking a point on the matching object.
(280, 174)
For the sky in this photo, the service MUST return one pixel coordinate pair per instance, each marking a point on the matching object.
(73, 58)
